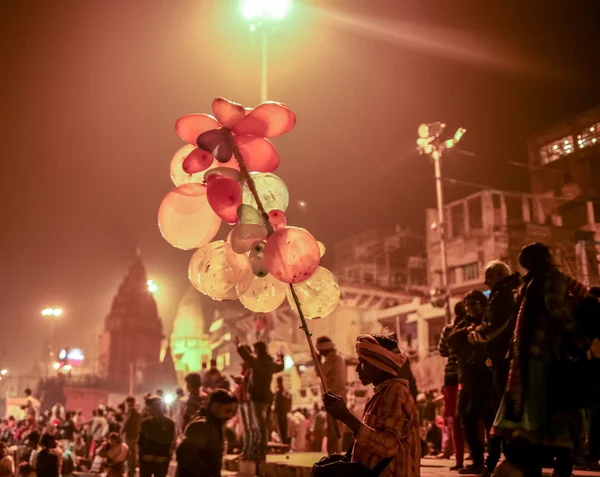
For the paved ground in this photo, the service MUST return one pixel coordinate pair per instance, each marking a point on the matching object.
(429, 467)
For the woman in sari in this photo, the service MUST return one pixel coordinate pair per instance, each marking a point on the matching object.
(115, 452)
(545, 334)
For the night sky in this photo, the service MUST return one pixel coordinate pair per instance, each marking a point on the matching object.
(91, 90)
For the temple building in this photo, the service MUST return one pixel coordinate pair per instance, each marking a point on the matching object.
(190, 345)
(131, 341)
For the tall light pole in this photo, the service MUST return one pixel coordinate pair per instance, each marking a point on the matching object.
(431, 144)
(52, 314)
(263, 14)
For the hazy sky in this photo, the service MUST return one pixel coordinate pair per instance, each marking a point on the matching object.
(91, 90)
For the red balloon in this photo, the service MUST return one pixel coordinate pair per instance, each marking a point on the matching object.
(197, 161)
(224, 196)
(259, 153)
(191, 126)
(292, 254)
(227, 112)
(277, 219)
(268, 119)
(185, 218)
(218, 143)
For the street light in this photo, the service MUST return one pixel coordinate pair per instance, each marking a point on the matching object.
(152, 287)
(261, 13)
(52, 312)
(4, 372)
(431, 144)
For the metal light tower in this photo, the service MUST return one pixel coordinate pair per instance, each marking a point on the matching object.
(262, 14)
(431, 144)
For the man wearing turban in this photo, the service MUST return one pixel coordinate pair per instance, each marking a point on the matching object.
(389, 428)
(336, 377)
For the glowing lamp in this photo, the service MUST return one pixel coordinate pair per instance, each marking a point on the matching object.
(288, 362)
(4, 372)
(169, 398)
(62, 354)
(152, 287)
(56, 365)
(67, 367)
(263, 9)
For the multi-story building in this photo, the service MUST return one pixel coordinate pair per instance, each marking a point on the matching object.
(389, 259)
(493, 225)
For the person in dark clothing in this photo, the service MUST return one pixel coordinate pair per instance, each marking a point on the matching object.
(157, 440)
(131, 434)
(283, 405)
(196, 399)
(66, 430)
(48, 459)
(259, 388)
(495, 334)
(200, 454)
(475, 403)
(451, 379)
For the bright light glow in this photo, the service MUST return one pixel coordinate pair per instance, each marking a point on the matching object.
(47, 312)
(75, 355)
(169, 398)
(449, 143)
(4, 372)
(67, 367)
(288, 362)
(555, 147)
(227, 337)
(459, 134)
(57, 312)
(423, 131)
(275, 9)
(56, 365)
(152, 287)
(62, 354)
(216, 325)
(52, 312)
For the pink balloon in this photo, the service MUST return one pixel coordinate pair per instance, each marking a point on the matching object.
(185, 218)
(243, 236)
(197, 161)
(268, 119)
(292, 254)
(227, 112)
(277, 219)
(259, 153)
(224, 196)
(191, 126)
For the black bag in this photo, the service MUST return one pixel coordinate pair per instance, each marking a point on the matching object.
(339, 465)
(573, 384)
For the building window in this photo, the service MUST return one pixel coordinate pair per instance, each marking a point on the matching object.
(452, 276)
(220, 361)
(557, 149)
(368, 278)
(589, 136)
(409, 342)
(496, 201)
(471, 271)
(458, 220)
(475, 213)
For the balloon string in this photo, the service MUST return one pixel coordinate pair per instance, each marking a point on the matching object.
(259, 205)
(251, 185)
(313, 351)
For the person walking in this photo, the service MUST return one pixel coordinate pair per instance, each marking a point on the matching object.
(196, 399)
(200, 453)
(131, 433)
(157, 440)
(335, 372)
(388, 435)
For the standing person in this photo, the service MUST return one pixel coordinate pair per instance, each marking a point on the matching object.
(115, 452)
(318, 428)
(48, 461)
(196, 398)
(451, 373)
(241, 393)
(157, 440)
(213, 379)
(66, 430)
(495, 333)
(335, 372)
(476, 401)
(7, 463)
(98, 430)
(545, 332)
(388, 435)
(200, 453)
(259, 388)
(31, 402)
(178, 410)
(298, 430)
(131, 432)
(282, 405)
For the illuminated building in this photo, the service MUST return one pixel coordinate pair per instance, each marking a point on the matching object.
(190, 345)
(132, 331)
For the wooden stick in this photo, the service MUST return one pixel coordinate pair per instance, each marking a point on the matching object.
(252, 186)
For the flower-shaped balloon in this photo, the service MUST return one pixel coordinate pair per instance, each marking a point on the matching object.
(225, 172)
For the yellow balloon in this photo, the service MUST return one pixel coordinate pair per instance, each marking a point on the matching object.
(178, 175)
(322, 248)
(264, 295)
(217, 271)
(318, 296)
(272, 191)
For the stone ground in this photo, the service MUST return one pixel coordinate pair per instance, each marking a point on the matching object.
(302, 462)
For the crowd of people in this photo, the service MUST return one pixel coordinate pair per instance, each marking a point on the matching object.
(506, 355)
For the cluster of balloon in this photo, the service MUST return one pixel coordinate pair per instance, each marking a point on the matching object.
(226, 173)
